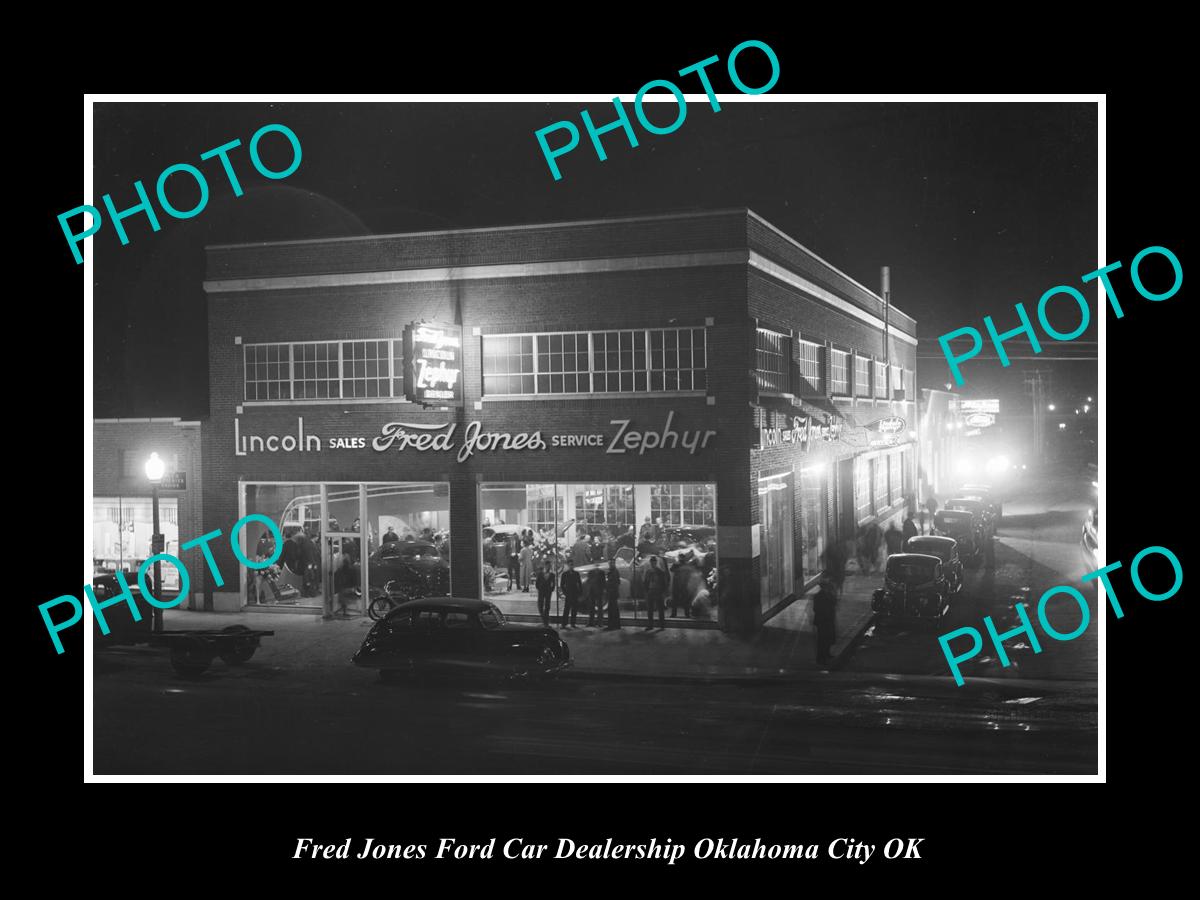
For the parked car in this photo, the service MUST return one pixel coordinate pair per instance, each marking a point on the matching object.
(988, 495)
(984, 520)
(914, 586)
(959, 524)
(1091, 539)
(418, 565)
(122, 629)
(451, 634)
(945, 549)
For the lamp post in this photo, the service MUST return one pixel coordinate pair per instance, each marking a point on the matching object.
(154, 471)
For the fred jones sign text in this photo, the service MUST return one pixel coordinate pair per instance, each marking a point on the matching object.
(625, 438)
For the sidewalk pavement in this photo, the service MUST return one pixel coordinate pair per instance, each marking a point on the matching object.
(785, 645)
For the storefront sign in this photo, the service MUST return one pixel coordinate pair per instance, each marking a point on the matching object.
(978, 406)
(803, 430)
(433, 364)
(890, 425)
(626, 437)
(980, 420)
(173, 481)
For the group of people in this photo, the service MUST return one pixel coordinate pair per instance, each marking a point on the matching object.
(601, 589)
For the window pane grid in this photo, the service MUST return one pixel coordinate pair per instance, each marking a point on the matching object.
(683, 504)
(809, 359)
(324, 370)
(862, 376)
(881, 380)
(601, 362)
(839, 375)
(773, 355)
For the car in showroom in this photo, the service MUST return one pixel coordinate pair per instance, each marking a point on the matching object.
(945, 549)
(418, 566)
(452, 635)
(914, 586)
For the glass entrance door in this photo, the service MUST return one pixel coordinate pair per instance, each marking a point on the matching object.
(776, 504)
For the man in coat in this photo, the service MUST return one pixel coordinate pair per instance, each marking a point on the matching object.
(656, 591)
(893, 538)
(910, 526)
(545, 583)
(571, 586)
(824, 606)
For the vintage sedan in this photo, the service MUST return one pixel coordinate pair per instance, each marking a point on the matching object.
(960, 524)
(418, 565)
(448, 634)
(984, 520)
(945, 549)
(988, 495)
(914, 586)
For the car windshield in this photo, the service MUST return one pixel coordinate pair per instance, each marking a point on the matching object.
(933, 549)
(910, 570)
(491, 617)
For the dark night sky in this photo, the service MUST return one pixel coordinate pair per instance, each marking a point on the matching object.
(974, 206)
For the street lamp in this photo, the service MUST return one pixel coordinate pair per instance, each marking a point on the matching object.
(1050, 407)
(155, 468)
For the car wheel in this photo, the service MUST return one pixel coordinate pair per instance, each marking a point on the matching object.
(190, 659)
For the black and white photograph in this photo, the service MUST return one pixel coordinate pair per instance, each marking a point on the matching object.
(506, 437)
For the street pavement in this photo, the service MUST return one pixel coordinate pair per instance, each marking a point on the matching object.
(674, 701)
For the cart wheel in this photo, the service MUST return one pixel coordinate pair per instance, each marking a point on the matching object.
(190, 659)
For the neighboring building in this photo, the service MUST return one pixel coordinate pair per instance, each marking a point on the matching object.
(698, 385)
(122, 514)
(941, 436)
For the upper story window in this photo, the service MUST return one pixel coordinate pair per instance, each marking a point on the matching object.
(881, 385)
(324, 370)
(862, 376)
(808, 358)
(773, 353)
(839, 372)
(595, 362)
(897, 382)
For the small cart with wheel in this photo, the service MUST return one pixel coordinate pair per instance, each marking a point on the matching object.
(192, 651)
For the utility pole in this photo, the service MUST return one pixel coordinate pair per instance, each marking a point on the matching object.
(1035, 384)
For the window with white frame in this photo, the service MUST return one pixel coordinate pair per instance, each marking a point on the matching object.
(601, 362)
(773, 353)
(881, 388)
(862, 376)
(897, 380)
(879, 474)
(683, 504)
(839, 373)
(808, 358)
(324, 370)
(895, 476)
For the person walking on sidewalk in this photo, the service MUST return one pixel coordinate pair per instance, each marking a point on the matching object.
(571, 586)
(893, 538)
(656, 590)
(910, 527)
(932, 505)
(545, 583)
(835, 563)
(874, 539)
(612, 593)
(824, 607)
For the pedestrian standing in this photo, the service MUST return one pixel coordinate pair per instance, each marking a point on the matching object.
(612, 593)
(932, 505)
(910, 527)
(545, 584)
(824, 608)
(526, 559)
(656, 589)
(513, 551)
(593, 597)
(874, 539)
(921, 512)
(893, 538)
(571, 586)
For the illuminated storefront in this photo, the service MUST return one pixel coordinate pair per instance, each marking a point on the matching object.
(604, 392)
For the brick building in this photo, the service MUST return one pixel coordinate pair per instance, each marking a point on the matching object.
(696, 387)
(121, 497)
